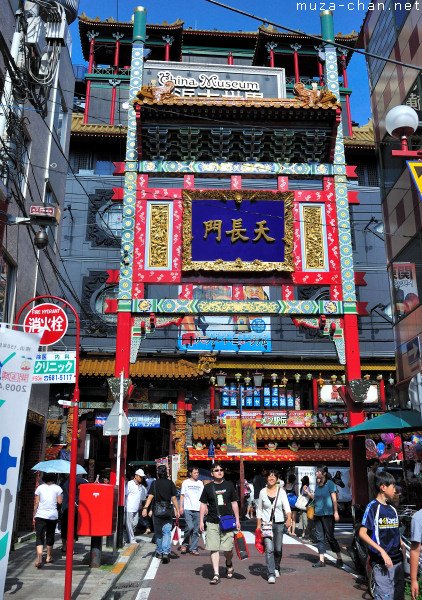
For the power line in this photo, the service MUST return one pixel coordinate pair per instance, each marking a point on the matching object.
(313, 37)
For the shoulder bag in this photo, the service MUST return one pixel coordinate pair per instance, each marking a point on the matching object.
(292, 497)
(227, 522)
(267, 527)
(302, 502)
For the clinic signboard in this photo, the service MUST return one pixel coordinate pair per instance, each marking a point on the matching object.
(55, 367)
(217, 81)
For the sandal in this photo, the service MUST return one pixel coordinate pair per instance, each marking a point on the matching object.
(183, 550)
(38, 565)
(215, 580)
(229, 570)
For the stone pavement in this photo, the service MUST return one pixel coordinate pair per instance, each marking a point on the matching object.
(146, 578)
(25, 582)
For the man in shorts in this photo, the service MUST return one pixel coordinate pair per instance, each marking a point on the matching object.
(221, 493)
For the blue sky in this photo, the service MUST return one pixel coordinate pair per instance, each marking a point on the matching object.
(203, 15)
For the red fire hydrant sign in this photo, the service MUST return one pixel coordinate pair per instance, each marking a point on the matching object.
(50, 318)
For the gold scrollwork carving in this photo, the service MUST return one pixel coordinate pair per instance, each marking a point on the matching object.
(158, 236)
(206, 363)
(179, 436)
(314, 238)
(237, 265)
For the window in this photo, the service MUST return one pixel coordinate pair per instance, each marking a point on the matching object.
(81, 161)
(60, 117)
(110, 218)
(51, 230)
(7, 288)
(108, 293)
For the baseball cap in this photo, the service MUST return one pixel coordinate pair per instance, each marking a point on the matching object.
(140, 473)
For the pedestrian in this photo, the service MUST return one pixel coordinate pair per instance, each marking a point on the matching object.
(135, 494)
(148, 480)
(326, 513)
(65, 509)
(373, 466)
(163, 492)
(291, 491)
(273, 507)
(415, 552)
(189, 506)
(259, 482)
(219, 498)
(380, 531)
(250, 502)
(303, 522)
(47, 496)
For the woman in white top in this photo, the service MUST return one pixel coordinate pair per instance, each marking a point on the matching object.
(47, 496)
(273, 507)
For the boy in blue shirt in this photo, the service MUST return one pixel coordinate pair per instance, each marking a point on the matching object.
(380, 531)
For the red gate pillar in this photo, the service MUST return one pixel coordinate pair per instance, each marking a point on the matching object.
(357, 442)
(122, 364)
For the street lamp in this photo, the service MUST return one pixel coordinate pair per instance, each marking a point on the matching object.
(400, 122)
(257, 379)
(221, 379)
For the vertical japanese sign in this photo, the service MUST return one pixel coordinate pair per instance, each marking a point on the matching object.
(240, 435)
(406, 295)
(249, 435)
(17, 358)
(234, 435)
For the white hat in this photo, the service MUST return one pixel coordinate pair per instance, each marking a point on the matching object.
(140, 473)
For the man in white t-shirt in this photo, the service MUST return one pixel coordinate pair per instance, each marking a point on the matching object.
(189, 506)
(135, 495)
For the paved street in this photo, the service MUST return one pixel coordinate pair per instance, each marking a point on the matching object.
(137, 575)
(188, 576)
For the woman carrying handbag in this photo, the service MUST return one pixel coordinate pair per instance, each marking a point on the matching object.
(273, 513)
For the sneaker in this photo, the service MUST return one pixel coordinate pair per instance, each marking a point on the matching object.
(339, 562)
(271, 579)
(158, 555)
(165, 559)
(318, 564)
(277, 573)
(247, 516)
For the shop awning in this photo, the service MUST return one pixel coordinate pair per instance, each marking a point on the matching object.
(282, 455)
(159, 369)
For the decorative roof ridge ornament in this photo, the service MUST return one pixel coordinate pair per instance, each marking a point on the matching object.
(314, 97)
(154, 92)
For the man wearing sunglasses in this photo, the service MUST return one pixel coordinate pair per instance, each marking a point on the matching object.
(220, 498)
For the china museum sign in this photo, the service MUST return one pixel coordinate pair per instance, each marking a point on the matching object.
(214, 81)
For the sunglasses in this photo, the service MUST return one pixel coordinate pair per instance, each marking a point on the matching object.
(216, 470)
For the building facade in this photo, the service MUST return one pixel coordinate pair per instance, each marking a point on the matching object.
(395, 34)
(35, 120)
(234, 153)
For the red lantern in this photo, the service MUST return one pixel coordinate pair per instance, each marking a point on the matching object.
(397, 444)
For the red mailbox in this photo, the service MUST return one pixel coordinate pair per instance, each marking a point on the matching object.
(97, 509)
